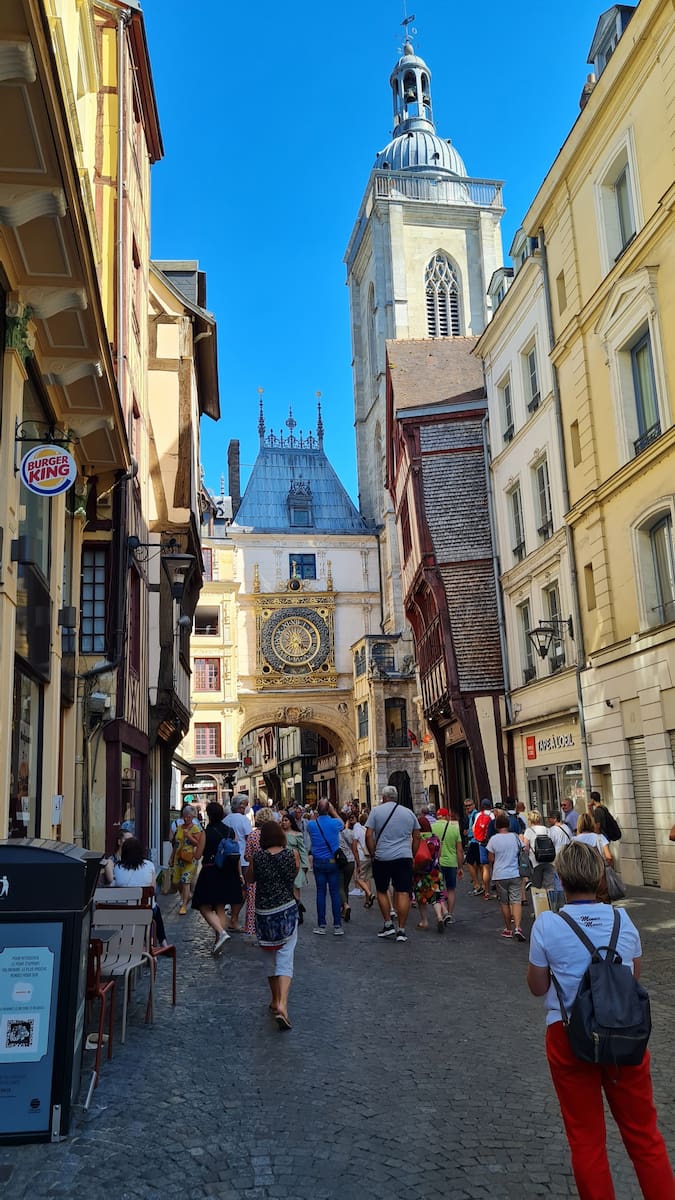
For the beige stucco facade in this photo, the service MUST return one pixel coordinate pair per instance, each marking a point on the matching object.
(606, 212)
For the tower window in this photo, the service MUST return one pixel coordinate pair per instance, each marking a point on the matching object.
(442, 295)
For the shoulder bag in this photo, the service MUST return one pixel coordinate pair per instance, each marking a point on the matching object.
(339, 857)
(524, 864)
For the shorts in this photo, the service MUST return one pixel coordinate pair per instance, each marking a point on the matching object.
(365, 872)
(280, 962)
(395, 871)
(449, 878)
(509, 891)
(484, 857)
(473, 854)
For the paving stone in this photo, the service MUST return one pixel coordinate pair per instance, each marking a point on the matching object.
(394, 1050)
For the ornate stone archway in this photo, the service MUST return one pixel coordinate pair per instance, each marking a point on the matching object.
(329, 716)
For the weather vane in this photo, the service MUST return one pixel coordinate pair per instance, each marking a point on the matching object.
(407, 21)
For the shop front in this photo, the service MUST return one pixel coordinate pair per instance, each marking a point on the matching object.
(553, 770)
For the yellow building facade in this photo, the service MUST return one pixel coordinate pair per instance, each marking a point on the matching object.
(604, 222)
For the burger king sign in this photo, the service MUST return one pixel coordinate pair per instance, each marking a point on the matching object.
(48, 470)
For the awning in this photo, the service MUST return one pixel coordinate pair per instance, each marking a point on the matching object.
(183, 766)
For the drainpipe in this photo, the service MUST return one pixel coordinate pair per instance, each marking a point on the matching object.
(571, 556)
(122, 23)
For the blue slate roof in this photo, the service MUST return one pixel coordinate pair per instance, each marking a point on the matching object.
(295, 471)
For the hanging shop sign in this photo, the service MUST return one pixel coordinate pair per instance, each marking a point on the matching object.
(48, 470)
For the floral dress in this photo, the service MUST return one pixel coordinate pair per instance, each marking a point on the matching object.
(184, 868)
(252, 845)
(429, 887)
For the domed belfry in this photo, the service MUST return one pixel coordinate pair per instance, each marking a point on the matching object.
(424, 246)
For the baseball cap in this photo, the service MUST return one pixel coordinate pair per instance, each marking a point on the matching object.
(486, 804)
(443, 812)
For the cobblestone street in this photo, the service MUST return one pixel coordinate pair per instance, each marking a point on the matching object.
(412, 1070)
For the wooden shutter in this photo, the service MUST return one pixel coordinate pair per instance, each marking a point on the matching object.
(644, 812)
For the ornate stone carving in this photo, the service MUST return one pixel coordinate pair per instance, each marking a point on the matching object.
(292, 714)
(19, 334)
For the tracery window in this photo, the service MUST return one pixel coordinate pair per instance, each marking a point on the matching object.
(442, 295)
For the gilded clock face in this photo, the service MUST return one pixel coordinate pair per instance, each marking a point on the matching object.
(295, 640)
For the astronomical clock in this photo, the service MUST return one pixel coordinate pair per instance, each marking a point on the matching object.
(295, 638)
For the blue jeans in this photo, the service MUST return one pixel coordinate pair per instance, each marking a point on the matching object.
(327, 875)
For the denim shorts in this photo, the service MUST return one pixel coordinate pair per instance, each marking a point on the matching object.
(450, 877)
(484, 858)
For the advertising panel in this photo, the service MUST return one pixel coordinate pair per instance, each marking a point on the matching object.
(29, 978)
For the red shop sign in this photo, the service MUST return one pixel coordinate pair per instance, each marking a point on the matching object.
(531, 747)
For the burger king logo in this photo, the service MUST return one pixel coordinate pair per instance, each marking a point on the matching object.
(48, 470)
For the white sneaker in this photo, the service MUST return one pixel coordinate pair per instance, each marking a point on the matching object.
(321, 930)
(220, 942)
(339, 931)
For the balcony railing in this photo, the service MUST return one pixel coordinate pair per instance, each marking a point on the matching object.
(394, 185)
(508, 433)
(545, 530)
(519, 551)
(397, 739)
(650, 435)
(534, 403)
(529, 674)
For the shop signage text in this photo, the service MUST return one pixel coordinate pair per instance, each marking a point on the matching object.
(549, 744)
(48, 470)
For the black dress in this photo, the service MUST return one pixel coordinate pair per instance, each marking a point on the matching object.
(217, 885)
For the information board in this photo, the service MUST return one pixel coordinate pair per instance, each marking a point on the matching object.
(29, 977)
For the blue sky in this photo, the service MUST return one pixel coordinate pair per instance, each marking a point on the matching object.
(271, 117)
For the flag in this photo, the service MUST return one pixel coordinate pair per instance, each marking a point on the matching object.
(412, 737)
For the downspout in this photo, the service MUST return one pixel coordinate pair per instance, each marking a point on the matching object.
(379, 577)
(122, 23)
(571, 556)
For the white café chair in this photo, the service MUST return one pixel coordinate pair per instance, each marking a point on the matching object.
(127, 950)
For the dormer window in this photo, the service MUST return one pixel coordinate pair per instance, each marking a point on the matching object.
(609, 29)
(300, 505)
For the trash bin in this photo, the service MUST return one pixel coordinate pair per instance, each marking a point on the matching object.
(46, 890)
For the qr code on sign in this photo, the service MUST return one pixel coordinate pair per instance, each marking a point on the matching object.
(20, 1034)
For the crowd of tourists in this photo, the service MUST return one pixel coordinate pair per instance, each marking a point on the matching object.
(257, 859)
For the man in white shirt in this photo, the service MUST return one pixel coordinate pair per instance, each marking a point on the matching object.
(558, 831)
(240, 824)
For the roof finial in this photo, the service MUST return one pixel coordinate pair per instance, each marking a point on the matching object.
(261, 417)
(319, 422)
(222, 485)
(407, 25)
(290, 420)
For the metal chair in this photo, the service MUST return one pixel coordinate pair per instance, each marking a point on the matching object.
(98, 990)
(127, 950)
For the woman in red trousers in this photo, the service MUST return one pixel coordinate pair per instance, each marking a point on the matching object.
(555, 948)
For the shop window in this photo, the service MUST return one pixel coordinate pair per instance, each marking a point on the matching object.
(396, 724)
(207, 675)
(25, 783)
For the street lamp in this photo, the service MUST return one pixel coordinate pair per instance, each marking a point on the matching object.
(177, 566)
(542, 639)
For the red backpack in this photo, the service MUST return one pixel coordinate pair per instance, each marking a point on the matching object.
(480, 827)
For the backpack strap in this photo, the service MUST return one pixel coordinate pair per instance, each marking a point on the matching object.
(580, 933)
(592, 949)
(447, 826)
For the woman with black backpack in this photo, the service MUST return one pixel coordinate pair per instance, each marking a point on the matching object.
(559, 970)
(219, 886)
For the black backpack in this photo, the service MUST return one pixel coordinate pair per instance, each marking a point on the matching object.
(544, 848)
(610, 1019)
(612, 828)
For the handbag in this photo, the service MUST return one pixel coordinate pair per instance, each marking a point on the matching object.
(186, 852)
(424, 859)
(615, 885)
(339, 857)
(524, 864)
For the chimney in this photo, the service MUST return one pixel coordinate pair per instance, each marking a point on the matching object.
(234, 475)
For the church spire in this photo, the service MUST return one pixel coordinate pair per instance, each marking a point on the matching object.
(411, 89)
(261, 418)
(319, 421)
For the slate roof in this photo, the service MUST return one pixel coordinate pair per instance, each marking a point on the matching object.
(434, 371)
(264, 507)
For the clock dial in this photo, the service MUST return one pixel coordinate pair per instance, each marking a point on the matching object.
(295, 640)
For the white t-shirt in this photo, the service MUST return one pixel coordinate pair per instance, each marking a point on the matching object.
(143, 876)
(505, 847)
(554, 945)
(241, 827)
(597, 840)
(560, 836)
(360, 836)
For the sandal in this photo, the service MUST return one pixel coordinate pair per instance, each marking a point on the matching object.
(283, 1022)
(369, 902)
(421, 926)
